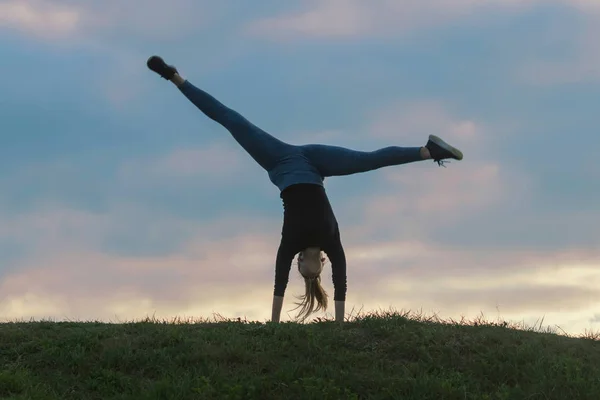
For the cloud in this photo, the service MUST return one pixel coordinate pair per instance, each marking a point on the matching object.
(524, 299)
(434, 269)
(129, 223)
(48, 229)
(417, 119)
(67, 273)
(214, 164)
(220, 266)
(217, 268)
(66, 19)
(40, 18)
(582, 64)
(590, 6)
(154, 19)
(352, 18)
(443, 196)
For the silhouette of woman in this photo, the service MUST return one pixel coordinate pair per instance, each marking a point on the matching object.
(310, 229)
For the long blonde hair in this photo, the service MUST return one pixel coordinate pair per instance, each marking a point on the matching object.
(313, 293)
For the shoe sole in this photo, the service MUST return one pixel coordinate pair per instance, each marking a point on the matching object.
(155, 61)
(158, 65)
(455, 152)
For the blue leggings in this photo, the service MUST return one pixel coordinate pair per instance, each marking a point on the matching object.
(288, 164)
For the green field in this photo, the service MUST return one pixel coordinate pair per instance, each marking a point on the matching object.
(377, 356)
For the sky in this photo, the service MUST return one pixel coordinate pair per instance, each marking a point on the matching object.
(119, 199)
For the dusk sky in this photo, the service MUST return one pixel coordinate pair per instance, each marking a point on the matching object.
(119, 199)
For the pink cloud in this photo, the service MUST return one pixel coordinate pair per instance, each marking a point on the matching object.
(326, 18)
(351, 18)
(215, 163)
(43, 19)
(583, 65)
(234, 276)
(410, 123)
(50, 228)
(67, 274)
(59, 20)
(441, 194)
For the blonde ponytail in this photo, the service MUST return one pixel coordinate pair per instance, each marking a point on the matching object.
(313, 292)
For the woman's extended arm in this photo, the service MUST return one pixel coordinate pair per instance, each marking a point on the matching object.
(276, 310)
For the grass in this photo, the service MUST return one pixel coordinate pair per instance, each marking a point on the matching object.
(384, 355)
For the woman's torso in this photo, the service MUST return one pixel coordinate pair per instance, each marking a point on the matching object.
(309, 219)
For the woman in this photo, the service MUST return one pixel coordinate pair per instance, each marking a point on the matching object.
(310, 228)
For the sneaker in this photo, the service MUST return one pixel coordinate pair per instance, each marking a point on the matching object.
(441, 150)
(157, 64)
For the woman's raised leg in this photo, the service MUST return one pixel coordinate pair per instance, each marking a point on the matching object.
(265, 149)
(338, 161)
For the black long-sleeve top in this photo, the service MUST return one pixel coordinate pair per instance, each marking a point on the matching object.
(309, 221)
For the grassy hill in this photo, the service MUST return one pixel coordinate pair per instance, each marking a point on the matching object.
(377, 356)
